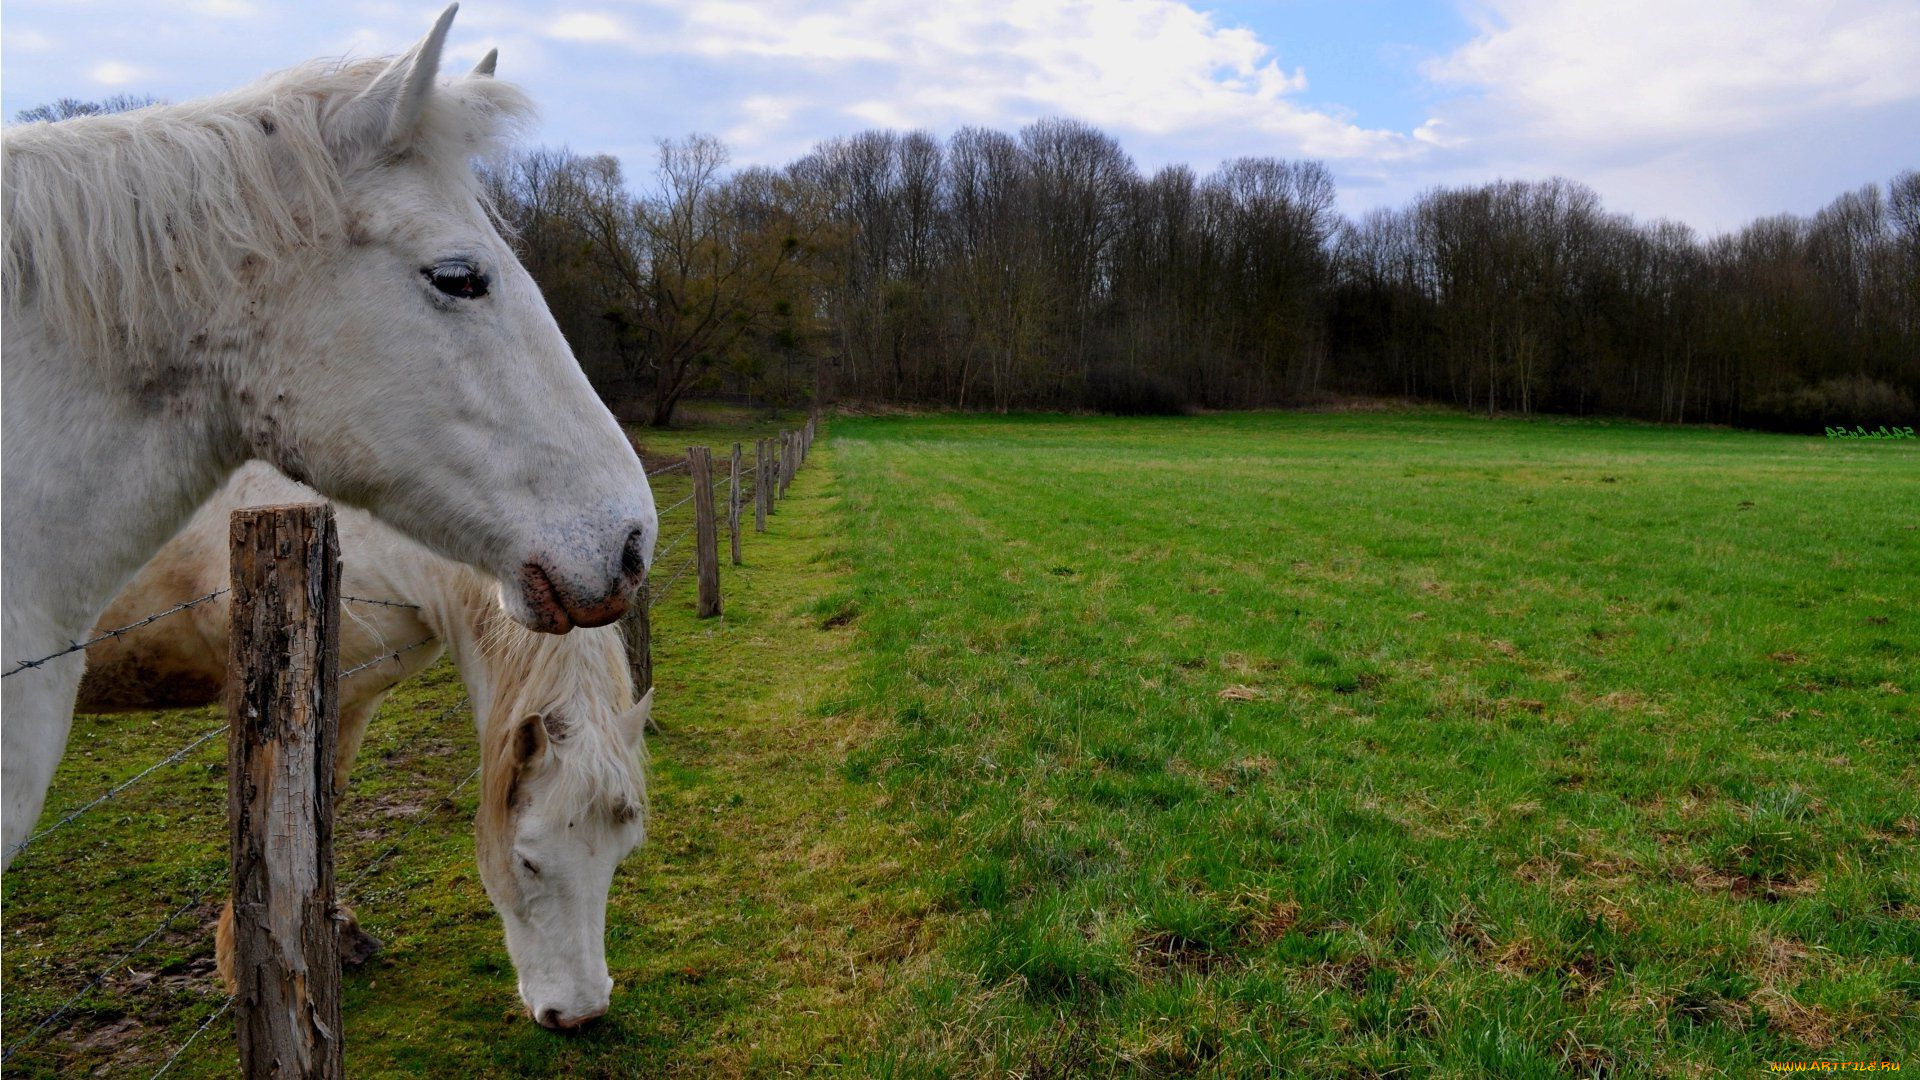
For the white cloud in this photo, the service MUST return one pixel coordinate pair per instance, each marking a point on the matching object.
(1154, 67)
(1648, 72)
(593, 27)
(1713, 112)
(115, 73)
(226, 9)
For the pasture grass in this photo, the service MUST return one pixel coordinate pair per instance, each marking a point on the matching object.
(728, 931)
(1392, 744)
(1371, 744)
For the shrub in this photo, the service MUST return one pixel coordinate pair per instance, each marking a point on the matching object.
(1125, 391)
(1849, 402)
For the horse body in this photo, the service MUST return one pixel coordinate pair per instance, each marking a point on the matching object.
(302, 272)
(562, 794)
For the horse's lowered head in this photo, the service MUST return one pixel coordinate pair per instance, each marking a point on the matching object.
(563, 800)
(324, 278)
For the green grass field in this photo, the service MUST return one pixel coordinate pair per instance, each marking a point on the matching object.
(1353, 744)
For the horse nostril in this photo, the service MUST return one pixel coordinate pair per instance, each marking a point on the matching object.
(633, 558)
(549, 1018)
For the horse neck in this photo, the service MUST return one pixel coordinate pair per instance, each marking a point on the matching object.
(100, 473)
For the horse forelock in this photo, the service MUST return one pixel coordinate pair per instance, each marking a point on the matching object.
(130, 232)
(579, 684)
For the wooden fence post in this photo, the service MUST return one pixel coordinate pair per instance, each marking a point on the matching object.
(793, 461)
(282, 709)
(760, 470)
(706, 538)
(733, 507)
(773, 477)
(636, 630)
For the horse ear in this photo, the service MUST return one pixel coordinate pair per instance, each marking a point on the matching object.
(635, 721)
(530, 739)
(529, 742)
(384, 116)
(484, 69)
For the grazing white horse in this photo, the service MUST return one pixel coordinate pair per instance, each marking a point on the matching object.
(305, 272)
(562, 792)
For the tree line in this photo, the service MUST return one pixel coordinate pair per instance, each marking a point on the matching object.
(1043, 269)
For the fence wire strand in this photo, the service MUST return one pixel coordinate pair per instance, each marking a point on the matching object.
(671, 544)
(382, 603)
(104, 972)
(193, 1038)
(76, 646)
(394, 655)
(170, 759)
(661, 593)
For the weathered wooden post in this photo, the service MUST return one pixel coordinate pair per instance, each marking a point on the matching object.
(706, 538)
(760, 470)
(772, 479)
(282, 710)
(784, 451)
(792, 456)
(733, 507)
(636, 630)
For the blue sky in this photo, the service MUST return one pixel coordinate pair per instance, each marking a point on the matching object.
(1709, 113)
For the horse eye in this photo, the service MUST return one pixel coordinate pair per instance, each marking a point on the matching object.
(457, 280)
(532, 868)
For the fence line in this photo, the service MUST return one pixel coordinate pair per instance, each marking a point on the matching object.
(769, 476)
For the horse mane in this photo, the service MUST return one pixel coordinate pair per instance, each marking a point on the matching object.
(131, 232)
(580, 682)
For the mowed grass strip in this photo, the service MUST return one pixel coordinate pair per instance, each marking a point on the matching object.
(752, 934)
(1408, 744)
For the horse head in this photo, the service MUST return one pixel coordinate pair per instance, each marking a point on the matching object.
(563, 801)
(407, 363)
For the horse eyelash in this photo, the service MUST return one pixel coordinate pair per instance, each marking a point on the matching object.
(447, 276)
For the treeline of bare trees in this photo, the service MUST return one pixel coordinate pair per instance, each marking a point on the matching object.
(1044, 270)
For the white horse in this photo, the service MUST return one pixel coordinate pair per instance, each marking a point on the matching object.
(562, 792)
(306, 272)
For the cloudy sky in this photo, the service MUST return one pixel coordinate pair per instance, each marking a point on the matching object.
(1711, 113)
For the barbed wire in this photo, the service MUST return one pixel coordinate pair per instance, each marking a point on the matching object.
(170, 759)
(382, 603)
(395, 654)
(665, 469)
(105, 635)
(193, 1038)
(104, 972)
(671, 544)
(675, 506)
(375, 862)
(76, 646)
(660, 593)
